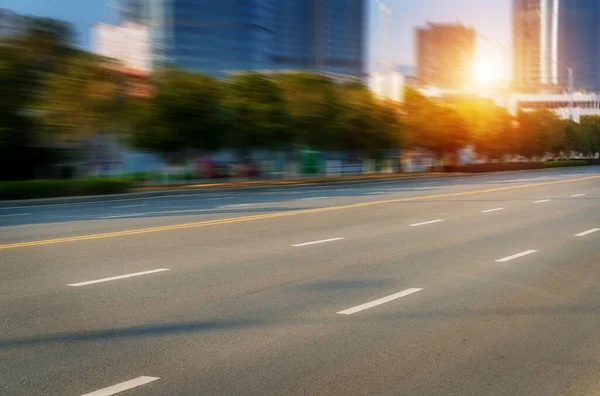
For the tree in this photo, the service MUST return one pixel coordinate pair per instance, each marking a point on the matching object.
(437, 128)
(313, 104)
(540, 132)
(46, 42)
(258, 115)
(490, 128)
(81, 99)
(185, 113)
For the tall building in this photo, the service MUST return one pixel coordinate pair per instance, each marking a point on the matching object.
(446, 55)
(552, 36)
(218, 37)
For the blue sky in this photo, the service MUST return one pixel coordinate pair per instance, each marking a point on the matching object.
(490, 17)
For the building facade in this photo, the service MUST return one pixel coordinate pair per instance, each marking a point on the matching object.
(445, 55)
(227, 36)
(128, 43)
(552, 36)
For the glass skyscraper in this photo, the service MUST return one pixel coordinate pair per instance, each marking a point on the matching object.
(221, 36)
(551, 36)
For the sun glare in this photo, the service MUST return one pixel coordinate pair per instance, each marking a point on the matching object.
(489, 68)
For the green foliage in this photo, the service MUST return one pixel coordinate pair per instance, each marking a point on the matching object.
(313, 104)
(186, 113)
(258, 115)
(60, 188)
(81, 99)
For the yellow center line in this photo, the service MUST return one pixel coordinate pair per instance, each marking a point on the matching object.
(275, 215)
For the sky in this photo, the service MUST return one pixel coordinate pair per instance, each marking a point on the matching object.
(491, 18)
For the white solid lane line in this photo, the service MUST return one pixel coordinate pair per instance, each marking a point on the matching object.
(588, 232)
(492, 210)
(118, 277)
(426, 222)
(376, 193)
(313, 198)
(123, 215)
(577, 195)
(129, 206)
(123, 386)
(380, 301)
(316, 242)
(15, 214)
(234, 206)
(515, 256)
(542, 201)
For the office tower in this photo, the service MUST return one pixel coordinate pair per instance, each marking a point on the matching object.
(320, 35)
(219, 37)
(445, 55)
(552, 36)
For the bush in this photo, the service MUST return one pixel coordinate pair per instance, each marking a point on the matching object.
(62, 188)
(563, 163)
(511, 166)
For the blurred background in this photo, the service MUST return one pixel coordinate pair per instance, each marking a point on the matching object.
(188, 91)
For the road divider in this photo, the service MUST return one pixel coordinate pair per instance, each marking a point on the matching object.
(516, 256)
(123, 386)
(380, 301)
(117, 277)
(209, 223)
(317, 242)
(426, 223)
(588, 232)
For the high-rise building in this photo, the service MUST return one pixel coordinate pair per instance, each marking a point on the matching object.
(552, 36)
(446, 55)
(218, 37)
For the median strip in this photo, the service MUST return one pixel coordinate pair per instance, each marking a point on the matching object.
(380, 301)
(123, 386)
(516, 256)
(117, 277)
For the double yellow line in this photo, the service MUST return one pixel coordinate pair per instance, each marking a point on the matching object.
(274, 215)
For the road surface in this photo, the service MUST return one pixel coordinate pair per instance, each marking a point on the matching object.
(467, 285)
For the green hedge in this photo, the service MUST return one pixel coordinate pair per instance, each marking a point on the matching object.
(562, 163)
(511, 166)
(62, 188)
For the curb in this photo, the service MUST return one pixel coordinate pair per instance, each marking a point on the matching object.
(207, 189)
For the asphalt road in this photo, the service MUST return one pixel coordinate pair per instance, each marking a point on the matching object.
(467, 285)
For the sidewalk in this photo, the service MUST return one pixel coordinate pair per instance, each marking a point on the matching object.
(233, 186)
